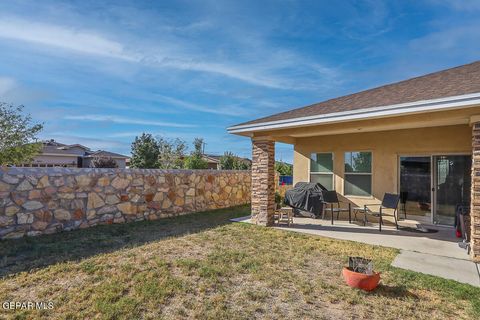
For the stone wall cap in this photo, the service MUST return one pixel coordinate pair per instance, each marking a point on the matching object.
(75, 171)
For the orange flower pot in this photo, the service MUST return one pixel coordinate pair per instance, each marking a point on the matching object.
(367, 282)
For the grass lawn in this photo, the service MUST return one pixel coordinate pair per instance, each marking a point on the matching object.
(201, 266)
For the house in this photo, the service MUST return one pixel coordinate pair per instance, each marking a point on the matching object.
(214, 161)
(416, 136)
(56, 154)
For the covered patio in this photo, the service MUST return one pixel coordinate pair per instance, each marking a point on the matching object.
(263, 184)
(420, 137)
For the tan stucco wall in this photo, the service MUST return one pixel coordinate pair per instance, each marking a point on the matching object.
(386, 147)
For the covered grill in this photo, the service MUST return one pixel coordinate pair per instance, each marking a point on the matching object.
(306, 197)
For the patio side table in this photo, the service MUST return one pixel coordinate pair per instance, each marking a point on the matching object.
(359, 210)
(285, 214)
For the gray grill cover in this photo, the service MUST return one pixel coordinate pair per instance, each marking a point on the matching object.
(306, 197)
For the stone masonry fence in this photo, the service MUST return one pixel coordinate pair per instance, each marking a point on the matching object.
(36, 201)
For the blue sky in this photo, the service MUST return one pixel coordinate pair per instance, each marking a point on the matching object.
(101, 72)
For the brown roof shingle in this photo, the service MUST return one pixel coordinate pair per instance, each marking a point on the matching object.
(456, 81)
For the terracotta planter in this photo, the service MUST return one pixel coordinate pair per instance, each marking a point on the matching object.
(363, 281)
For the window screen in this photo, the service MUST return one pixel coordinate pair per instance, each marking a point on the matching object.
(321, 169)
(358, 173)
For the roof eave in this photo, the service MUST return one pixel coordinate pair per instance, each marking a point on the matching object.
(446, 103)
(116, 156)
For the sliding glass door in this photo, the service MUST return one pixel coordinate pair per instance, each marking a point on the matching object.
(415, 187)
(431, 187)
(451, 186)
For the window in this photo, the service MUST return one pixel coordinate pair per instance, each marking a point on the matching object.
(358, 174)
(321, 169)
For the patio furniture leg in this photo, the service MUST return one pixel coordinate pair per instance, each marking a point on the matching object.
(331, 207)
(395, 216)
(349, 212)
(381, 220)
(365, 215)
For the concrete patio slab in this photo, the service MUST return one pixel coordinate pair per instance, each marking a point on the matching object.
(449, 268)
(441, 243)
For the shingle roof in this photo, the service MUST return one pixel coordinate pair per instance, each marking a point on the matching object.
(102, 153)
(70, 146)
(52, 142)
(456, 81)
(54, 147)
(217, 157)
(212, 158)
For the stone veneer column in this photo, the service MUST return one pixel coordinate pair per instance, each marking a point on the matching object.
(263, 181)
(475, 198)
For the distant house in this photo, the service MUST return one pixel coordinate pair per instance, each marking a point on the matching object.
(56, 154)
(214, 161)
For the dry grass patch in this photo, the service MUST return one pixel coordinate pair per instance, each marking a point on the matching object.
(215, 270)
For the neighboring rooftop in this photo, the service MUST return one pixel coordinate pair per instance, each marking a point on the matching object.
(216, 157)
(102, 153)
(54, 147)
(452, 82)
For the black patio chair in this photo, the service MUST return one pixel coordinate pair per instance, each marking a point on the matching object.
(390, 201)
(332, 204)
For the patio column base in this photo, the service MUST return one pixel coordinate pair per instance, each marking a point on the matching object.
(475, 195)
(263, 181)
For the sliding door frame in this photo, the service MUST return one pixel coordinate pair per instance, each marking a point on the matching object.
(435, 182)
(433, 175)
(418, 155)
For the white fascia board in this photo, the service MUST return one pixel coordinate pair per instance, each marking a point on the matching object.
(448, 103)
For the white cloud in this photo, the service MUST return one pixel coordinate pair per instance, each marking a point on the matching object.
(126, 134)
(463, 39)
(107, 104)
(6, 85)
(164, 134)
(228, 70)
(86, 42)
(123, 120)
(231, 111)
(460, 5)
(12, 91)
(173, 53)
(93, 43)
